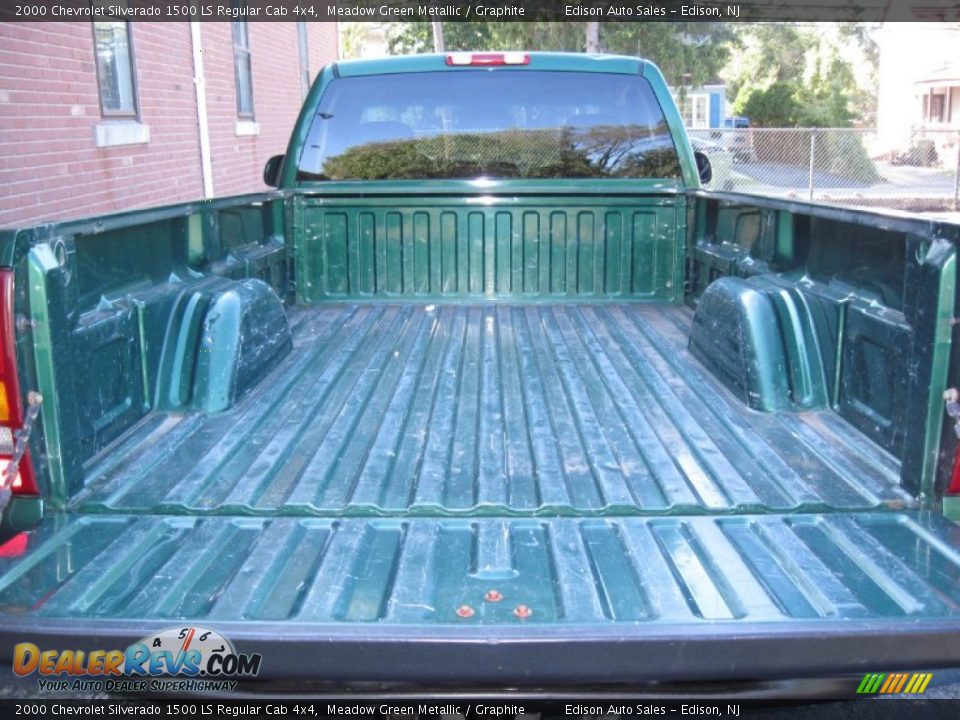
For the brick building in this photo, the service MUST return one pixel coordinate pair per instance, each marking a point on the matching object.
(97, 117)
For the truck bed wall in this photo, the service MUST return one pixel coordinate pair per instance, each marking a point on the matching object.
(129, 315)
(103, 293)
(489, 248)
(878, 295)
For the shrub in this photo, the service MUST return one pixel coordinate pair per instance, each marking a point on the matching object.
(843, 154)
(777, 106)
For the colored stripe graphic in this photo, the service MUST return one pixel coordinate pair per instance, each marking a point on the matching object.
(891, 681)
(903, 681)
(894, 683)
(871, 683)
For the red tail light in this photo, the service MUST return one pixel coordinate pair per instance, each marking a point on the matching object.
(487, 59)
(15, 546)
(11, 407)
(954, 487)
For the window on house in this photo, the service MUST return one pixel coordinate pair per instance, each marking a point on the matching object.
(936, 108)
(241, 63)
(115, 69)
(701, 109)
(304, 42)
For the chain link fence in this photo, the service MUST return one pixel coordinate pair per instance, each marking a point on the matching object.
(841, 166)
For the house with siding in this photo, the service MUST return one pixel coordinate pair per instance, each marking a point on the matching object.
(919, 88)
(937, 102)
(938, 98)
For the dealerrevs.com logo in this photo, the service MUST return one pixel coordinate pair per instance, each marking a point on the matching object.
(187, 658)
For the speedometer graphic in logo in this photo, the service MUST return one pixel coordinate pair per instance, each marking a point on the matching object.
(187, 650)
(185, 639)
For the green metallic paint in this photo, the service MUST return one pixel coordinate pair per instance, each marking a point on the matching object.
(41, 263)
(940, 361)
(786, 249)
(879, 292)
(504, 189)
(301, 130)
(838, 356)
(243, 336)
(951, 508)
(691, 177)
(22, 513)
(23, 239)
(761, 340)
(522, 409)
(9, 241)
(101, 318)
(668, 577)
(488, 247)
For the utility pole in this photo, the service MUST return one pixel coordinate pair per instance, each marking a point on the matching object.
(437, 36)
(593, 37)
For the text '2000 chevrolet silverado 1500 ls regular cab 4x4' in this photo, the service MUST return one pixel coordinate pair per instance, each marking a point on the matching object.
(488, 390)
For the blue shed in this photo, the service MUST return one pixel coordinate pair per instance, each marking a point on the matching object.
(705, 106)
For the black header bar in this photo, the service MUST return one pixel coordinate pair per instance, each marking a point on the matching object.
(206, 707)
(482, 10)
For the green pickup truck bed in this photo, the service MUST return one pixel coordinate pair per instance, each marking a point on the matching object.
(531, 432)
(490, 410)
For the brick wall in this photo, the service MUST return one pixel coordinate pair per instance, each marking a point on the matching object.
(277, 97)
(50, 166)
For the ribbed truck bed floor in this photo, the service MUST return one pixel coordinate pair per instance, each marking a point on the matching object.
(519, 410)
(350, 518)
(607, 600)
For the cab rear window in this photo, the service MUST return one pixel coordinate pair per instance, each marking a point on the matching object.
(488, 124)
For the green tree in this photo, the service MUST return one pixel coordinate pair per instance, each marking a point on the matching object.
(687, 53)
(826, 97)
(767, 53)
(775, 106)
(417, 37)
(814, 60)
